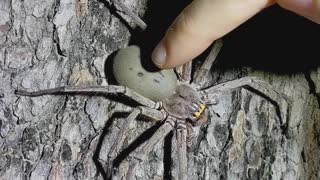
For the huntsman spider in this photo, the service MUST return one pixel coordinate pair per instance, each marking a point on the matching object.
(179, 109)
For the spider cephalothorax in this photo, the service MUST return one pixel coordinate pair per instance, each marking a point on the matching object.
(185, 103)
(164, 99)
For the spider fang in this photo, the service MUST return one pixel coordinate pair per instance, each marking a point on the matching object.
(200, 111)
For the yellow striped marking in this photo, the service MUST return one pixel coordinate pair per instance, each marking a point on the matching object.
(201, 109)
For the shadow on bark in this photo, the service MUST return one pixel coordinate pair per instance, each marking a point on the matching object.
(135, 144)
(167, 159)
(124, 152)
(108, 69)
(95, 158)
(113, 10)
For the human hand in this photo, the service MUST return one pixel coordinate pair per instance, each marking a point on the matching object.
(204, 21)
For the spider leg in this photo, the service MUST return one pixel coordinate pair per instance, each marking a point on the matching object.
(181, 136)
(123, 133)
(130, 13)
(145, 150)
(257, 86)
(184, 72)
(111, 89)
(205, 67)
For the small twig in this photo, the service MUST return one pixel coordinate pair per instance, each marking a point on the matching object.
(130, 13)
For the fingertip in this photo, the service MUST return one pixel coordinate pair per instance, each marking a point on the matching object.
(159, 55)
(198, 25)
(172, 52)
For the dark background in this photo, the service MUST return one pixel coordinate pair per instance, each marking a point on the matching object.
(275, 40)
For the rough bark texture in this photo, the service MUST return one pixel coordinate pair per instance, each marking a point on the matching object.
(50, 43)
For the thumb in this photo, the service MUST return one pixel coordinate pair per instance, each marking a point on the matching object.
(198, 25)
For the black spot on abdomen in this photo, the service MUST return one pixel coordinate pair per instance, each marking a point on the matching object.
(161, 74)
(140, 74)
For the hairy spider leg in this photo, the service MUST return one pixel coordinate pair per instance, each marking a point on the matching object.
(111, 89)
(142, 154)
(181, 138)
(116, 147)
(187, 72)
(258, 87)
(184, 72)
(201, 74)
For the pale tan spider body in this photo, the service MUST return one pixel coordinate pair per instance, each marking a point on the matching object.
(184, 102)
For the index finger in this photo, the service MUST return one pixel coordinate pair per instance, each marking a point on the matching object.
(199, 24)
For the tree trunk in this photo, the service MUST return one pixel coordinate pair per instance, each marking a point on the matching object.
(51, 43)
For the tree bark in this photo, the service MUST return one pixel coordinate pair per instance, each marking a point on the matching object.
(51, 43)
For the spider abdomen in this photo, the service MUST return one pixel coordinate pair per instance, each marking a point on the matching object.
(129, 72)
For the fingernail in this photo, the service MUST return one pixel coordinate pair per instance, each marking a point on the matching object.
(159, 55)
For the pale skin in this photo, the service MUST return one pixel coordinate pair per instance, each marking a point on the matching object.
(204, 21)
